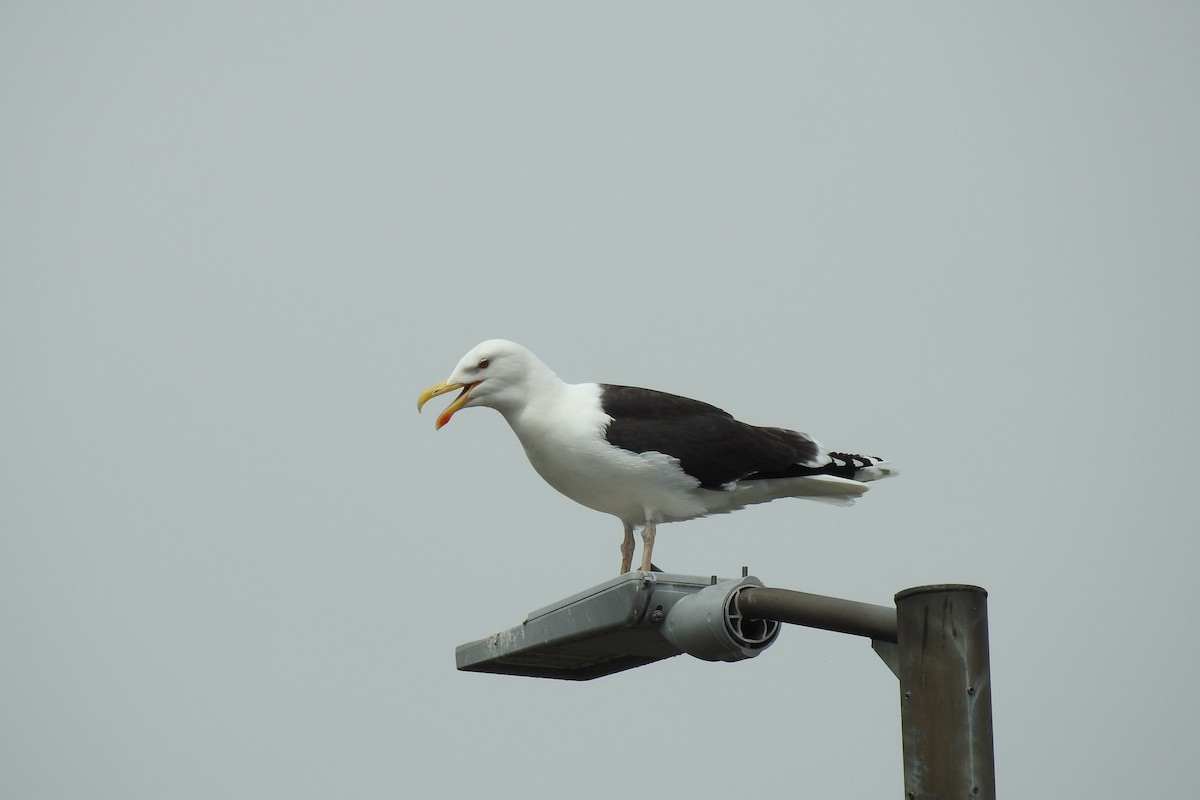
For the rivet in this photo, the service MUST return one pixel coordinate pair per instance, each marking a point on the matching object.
(970, 690)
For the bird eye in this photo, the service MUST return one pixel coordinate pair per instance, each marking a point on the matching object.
(483, 362)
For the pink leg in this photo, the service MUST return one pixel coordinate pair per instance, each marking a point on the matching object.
(627, 550)
(647, 545)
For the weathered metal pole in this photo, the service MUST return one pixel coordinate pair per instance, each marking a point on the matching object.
(945, 693)
(819, 611)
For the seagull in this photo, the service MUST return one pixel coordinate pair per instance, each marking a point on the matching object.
(645, 456)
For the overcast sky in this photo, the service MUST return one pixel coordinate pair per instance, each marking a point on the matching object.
(236, 239)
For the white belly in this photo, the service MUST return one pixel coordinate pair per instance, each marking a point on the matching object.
(635, 487)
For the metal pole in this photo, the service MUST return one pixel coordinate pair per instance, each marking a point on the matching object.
(946, 693)
(819, 611)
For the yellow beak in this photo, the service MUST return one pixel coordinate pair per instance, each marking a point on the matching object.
(441, 387)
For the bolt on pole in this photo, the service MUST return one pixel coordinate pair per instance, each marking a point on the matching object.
(945, 693)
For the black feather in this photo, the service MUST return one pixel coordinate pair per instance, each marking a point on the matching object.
(711, 445)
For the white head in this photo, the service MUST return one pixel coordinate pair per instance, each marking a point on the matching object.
(497, 374)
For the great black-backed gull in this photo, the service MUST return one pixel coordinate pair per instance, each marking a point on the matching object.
(642, 455)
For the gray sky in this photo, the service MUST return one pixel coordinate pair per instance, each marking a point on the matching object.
(237, 239)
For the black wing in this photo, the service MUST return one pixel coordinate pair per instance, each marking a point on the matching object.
(710, 444)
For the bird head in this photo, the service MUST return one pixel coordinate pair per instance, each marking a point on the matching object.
(494, 374)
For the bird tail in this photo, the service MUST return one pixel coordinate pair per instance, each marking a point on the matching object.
(859, 468)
